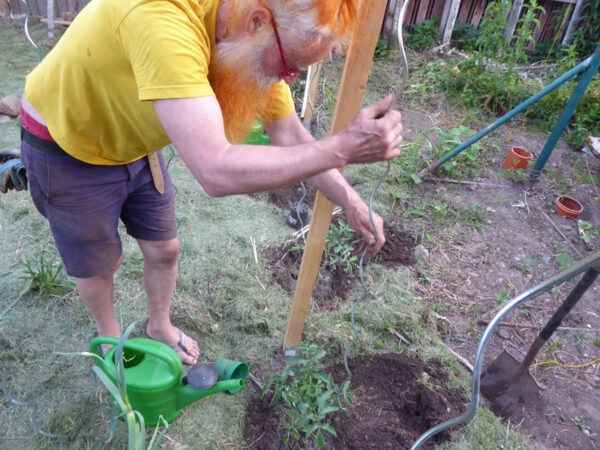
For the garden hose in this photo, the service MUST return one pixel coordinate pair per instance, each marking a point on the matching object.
(364, 285)
(14, 401)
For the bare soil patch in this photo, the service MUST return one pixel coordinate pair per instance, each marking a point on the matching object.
(393, 408)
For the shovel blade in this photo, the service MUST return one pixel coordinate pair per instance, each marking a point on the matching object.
(505, 392)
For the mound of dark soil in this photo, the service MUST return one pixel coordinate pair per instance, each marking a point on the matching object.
(393, 409)
(285, 265)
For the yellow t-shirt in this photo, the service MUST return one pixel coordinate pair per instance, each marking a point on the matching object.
(93, 88)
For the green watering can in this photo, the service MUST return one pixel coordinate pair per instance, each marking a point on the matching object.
(154, 377)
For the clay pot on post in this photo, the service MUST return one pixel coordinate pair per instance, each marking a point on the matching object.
(567, 207)
(517, 159)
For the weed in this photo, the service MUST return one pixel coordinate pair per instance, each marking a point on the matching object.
(310, 396)
(410, 160)
(561, 414)
(564, 259)
(529, 264)
(580, 423)
(46, 275)
(475, 322)
(526, 311)
(502, 296)
(596, 342)
(586, 232)
(381, 49)
(517, 176)
(422, 36)
(425, 380)
(464, 36)
(450, 140)
(587, 33)
(581, 338)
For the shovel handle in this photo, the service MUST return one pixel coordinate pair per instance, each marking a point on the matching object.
(586, 281)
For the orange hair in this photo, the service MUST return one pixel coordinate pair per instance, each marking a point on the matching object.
(337, 16)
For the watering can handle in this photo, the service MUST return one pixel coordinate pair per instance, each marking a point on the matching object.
(172, 360)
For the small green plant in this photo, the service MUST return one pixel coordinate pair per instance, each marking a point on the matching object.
(464, 36)
(564, 259)
(517, 175)
(309, 397)
(422, 36)
(450, 140)
(586, 232)
(502, 296)
(530, 263)
(555, 345)
(475, 322)
(581, 338)
(587, 34)
(491, 42)
(526, 26)
(46, 275)
(381, 49)
(580, 423)
(339, 247)
(596, 342)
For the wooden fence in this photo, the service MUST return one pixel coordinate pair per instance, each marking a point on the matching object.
(450, 13)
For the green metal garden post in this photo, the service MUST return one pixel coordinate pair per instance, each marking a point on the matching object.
(509, 115)
(566, 115)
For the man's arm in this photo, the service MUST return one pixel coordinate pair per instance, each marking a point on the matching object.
(195, 126)
(290, 131)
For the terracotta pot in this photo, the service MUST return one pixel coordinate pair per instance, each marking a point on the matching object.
(517, 159)
(567, 207)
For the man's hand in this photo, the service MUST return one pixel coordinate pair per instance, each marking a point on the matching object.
(373, 135)
(358, 218)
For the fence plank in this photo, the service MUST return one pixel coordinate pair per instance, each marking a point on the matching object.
(572, 23)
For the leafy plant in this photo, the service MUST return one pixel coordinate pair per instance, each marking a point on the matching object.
(464, 36)
(309, 397)
(564, 259)
(581, 338)
(502, 296)
(580, 423)
(46, 274)
(410, 160)
(491, 42)
(451, 139)
(587, 34)
(586, 231)
(339, 246)
(526, 25)
(422, 36)
(381, 49)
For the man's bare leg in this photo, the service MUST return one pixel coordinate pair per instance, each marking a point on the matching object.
(160, 276)
(97, 294)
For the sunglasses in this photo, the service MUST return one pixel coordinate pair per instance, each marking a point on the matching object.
(289, 75)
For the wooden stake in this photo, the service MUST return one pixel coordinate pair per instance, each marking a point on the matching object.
(350, 95)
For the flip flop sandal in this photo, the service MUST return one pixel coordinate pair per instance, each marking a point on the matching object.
(178, 347)
(100, 349)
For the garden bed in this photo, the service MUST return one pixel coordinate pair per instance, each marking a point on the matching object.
(398, 398)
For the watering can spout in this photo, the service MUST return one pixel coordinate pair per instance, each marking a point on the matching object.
(187, 394)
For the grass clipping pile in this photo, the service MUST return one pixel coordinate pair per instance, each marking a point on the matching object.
(398, 398)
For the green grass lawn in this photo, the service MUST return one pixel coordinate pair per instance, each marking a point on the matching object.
(225, 298)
